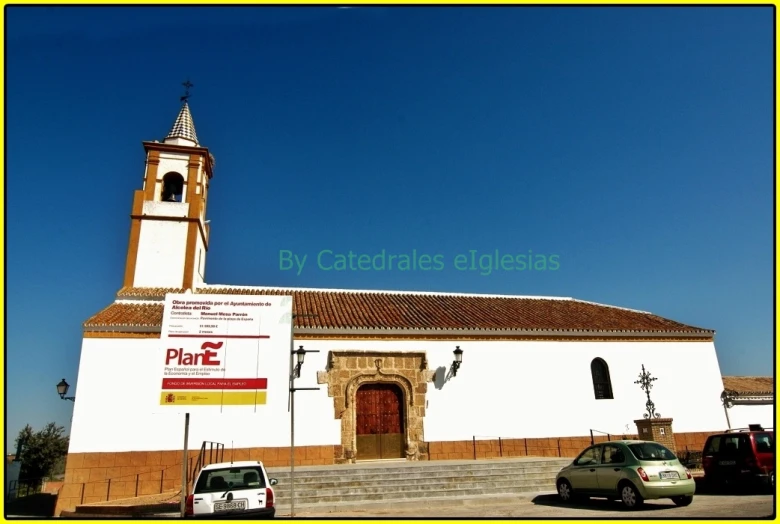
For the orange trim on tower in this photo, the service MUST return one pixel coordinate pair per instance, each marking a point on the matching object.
(192, 176)
(152, 165)
(192, 232)
(135, 236)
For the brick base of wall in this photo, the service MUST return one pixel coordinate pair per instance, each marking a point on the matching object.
(564, 447)
(99, 477)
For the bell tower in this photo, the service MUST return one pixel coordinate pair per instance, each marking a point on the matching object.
(169, 234)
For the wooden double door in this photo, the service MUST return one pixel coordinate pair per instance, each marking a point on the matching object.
(380, 422)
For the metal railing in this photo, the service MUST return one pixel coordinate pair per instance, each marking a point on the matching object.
(25, 488)
(130, 477)
(609, 436)
(690, 459)
(501, 441)
(210, 452)
(216, 453)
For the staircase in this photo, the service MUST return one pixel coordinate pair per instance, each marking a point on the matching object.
(394, 484)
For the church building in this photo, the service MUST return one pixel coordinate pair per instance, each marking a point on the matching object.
(401, 375)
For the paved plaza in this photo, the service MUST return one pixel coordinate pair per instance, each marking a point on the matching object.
(548, 506)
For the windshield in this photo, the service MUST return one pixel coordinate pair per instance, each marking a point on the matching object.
(230, 479)
(650, 451)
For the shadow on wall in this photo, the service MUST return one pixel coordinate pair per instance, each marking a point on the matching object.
(441, 377)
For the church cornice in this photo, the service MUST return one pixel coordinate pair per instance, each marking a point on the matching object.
(136, 313)
(185, 150)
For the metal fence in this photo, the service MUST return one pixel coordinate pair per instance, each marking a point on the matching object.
(690, 459)
(133, 478)
(209, 452)
(25, 488)
(502, 442)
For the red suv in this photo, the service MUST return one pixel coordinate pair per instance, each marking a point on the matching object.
(740, 456)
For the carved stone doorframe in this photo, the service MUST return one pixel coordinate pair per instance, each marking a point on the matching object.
(348, 370)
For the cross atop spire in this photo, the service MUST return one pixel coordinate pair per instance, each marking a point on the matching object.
(183, 130)
(187, 85)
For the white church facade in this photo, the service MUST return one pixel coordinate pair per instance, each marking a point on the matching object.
(537, 372)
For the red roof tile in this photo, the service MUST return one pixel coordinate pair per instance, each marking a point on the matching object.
(748, 385)
(127, 315)
(140, 292)
(395, 310)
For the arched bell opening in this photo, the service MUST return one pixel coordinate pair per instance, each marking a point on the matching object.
(173, 188)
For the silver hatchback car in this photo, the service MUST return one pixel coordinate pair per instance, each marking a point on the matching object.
(631, 471)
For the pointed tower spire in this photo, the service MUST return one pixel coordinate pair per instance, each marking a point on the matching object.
(183, 128)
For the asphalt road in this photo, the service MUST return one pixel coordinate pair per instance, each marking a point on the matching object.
(548, 506)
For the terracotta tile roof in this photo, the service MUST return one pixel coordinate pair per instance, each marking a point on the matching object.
(750, 385)
(343, 309)
(120, 315)
(151, 292)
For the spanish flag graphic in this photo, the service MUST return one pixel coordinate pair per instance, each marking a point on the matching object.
(213, 391)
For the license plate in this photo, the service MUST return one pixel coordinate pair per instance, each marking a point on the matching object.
(727, 462)
(669, 475)
(227, 506)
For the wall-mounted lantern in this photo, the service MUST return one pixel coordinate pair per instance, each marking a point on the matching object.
(300, 355)
(458, 360)
(62, 390)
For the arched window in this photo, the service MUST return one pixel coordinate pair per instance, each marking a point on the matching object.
(173, 187)
(602, 386)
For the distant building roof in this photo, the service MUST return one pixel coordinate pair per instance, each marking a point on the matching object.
(750, 386)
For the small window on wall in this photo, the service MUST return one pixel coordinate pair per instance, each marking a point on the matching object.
(173, 187)
(602, 385)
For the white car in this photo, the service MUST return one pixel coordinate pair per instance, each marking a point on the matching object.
(232, 489)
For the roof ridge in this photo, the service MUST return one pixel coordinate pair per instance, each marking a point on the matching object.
(613, 306)
(384, 292)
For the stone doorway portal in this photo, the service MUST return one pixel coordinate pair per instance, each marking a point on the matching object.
(401, 378)
(379, 422)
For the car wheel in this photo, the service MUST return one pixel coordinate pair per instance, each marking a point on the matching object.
(565, 492)
(684, 500)
(629, 496)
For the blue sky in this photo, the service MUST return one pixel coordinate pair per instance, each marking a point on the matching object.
(634, 143)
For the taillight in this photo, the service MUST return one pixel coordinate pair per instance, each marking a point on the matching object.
(688, 473)
(643, 474)
(189, 508)
(269, 498)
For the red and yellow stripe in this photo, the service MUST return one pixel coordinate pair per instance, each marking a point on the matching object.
(213, 391)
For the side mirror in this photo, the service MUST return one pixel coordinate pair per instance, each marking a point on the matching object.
(274, 482)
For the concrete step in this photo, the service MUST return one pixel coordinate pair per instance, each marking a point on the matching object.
(280, 474)
(421, 494)
(371, 507)
(394, 482)
(417, 481)
(392, 476)
(401, 490)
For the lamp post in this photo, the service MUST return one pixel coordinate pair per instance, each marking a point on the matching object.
(727, 398)
(458, 360)
(295, 372)
(62, 390)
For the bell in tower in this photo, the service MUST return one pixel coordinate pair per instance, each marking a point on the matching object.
(173, 187)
